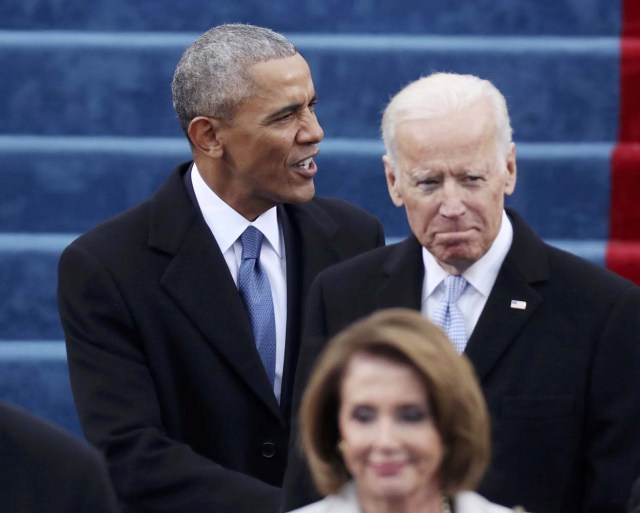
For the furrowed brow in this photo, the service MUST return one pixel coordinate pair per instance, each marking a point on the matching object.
(292, 107)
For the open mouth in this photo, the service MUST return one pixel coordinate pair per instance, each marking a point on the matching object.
(306, 167)
(304, 164)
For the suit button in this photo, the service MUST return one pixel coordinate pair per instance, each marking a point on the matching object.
(268, 449)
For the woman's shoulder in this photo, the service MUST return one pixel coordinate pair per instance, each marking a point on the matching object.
(345, 501)
(316, 507)
(471, 502)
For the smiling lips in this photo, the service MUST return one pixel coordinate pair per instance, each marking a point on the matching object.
(385, 468)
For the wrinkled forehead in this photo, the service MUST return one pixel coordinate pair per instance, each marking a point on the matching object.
(464, 132)
(276, 72)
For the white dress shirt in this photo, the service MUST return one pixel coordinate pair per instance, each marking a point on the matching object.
(480, 278)
(227, 225)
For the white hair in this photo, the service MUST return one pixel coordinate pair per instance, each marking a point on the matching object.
(439, 94)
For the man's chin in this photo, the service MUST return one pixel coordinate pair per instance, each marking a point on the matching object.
(458, 259)
(302, 194)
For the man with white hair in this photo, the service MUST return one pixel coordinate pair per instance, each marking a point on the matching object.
(554, 339)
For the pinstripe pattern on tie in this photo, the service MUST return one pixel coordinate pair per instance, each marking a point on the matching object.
(448, 316)
(255, 291)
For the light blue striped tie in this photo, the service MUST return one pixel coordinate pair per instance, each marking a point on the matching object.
(448, 316)
(255, 290)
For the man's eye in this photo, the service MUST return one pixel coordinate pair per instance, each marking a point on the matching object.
(312, 106)
(427, 184)
(284, 117)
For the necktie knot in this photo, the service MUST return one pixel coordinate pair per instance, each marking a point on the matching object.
(251, 240)
(453, 288)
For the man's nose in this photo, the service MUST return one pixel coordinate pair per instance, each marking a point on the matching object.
(311, 132)
(452, 201)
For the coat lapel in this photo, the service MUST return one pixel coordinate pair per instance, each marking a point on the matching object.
(501, 321)
(402, 277)
(309, 237)
(309, 244)
(209, 296)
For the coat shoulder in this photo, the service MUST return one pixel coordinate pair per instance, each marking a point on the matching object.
(40, 443)
(340, 211)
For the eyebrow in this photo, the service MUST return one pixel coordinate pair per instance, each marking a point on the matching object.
(292, 107)
(422, 173)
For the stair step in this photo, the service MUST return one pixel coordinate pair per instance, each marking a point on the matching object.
(29, 279)
(34, 375)
(589, 17)
(559, 89)
(69, 184)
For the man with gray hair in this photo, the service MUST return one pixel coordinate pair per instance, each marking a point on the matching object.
(554, 339)
(182, 315)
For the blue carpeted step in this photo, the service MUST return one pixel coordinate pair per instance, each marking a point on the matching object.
(28, 273)
(558, 89)
(71, 184)
(107, 77)
(29, 280)
(34, 375)
(592, 17)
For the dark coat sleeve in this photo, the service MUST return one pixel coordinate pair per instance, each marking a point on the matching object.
(612, 431)
(634, 501)
(44, 468)
(298, 487)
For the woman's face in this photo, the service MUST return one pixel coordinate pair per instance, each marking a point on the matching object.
(391, 445)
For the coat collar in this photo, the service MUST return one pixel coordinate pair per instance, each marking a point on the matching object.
(209, 296)
(525, 265)
(309, 235)
(403, 271)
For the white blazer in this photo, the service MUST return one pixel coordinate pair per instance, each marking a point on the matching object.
(346, 501)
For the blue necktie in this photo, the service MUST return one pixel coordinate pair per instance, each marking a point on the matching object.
(253, 284)
(448, 316)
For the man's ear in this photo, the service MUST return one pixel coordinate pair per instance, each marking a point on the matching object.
(392, 181)
(203, 133)
(512, 171)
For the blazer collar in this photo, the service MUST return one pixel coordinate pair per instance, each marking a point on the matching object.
(210, 298)
(198, 280)
(403, 274)
(309, 235)
(525, 265)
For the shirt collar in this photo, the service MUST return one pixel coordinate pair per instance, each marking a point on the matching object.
(483, 273)
(226, 224)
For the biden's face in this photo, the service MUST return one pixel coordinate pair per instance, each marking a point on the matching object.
(451, 180)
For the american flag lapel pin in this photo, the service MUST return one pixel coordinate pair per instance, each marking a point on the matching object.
(518, 305)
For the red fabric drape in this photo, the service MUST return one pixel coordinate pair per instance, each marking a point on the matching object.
(623, 250)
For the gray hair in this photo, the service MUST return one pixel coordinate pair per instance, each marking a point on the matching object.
(210, 78)
(438, 94)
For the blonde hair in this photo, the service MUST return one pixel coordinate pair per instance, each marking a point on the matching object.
(403, 336)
